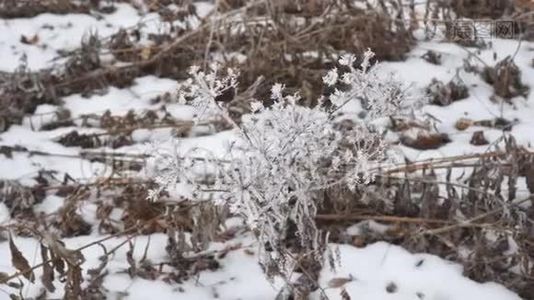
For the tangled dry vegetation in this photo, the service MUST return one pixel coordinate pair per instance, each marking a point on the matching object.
(294, 42)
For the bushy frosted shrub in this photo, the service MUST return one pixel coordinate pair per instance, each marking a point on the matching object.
(286, 154)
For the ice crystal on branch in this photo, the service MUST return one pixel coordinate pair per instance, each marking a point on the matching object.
(203, 89)
(287, 154)
(379, 96)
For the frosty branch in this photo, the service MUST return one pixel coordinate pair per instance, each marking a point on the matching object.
(286, 154)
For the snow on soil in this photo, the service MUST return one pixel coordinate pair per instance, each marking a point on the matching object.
(378, 271)
(56, 32)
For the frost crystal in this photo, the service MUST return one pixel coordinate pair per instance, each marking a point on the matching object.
(203, 89)
(331, 77)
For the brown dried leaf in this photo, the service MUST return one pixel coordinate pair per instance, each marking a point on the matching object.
(132, 270)
(73, 288)
(463, 124)
(339, 282)
(4, 277)
(425, 140)
(48, 271)
(478, 139)
(29, 40)
(19, 261)
(16, 285)
(530, 179)
(58, 263)
(498, 123)
(344, 295)
(248, 252)
(61, 255)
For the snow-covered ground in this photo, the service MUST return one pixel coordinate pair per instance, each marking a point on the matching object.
(379, 271)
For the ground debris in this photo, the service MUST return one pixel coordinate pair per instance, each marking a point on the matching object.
(505, 78)
(444, 94)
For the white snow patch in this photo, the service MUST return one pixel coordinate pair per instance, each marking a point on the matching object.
(409, 277)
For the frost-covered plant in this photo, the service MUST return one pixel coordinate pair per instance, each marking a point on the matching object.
(286, 154)
(378, 95)
(202, 89)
